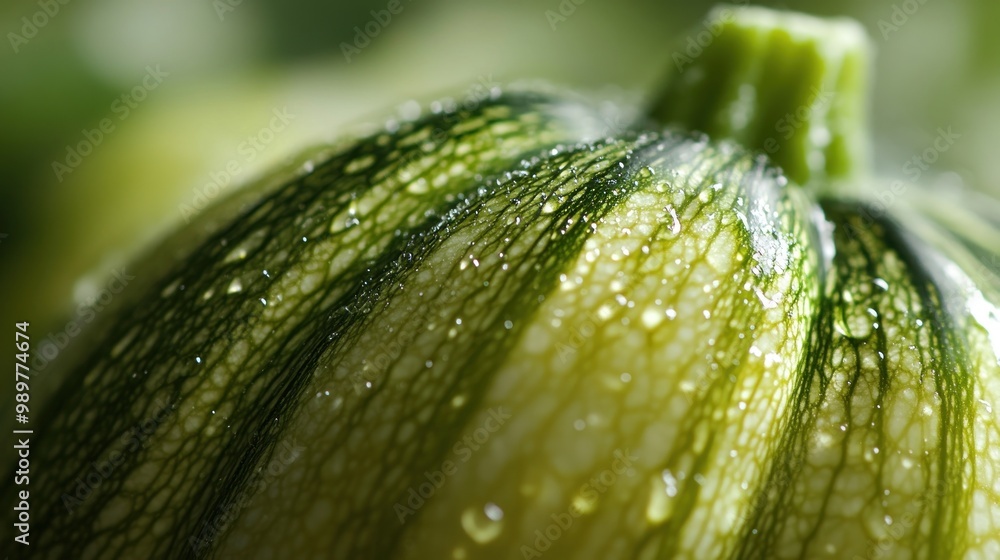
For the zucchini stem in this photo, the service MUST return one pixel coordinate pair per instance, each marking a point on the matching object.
(792, 86)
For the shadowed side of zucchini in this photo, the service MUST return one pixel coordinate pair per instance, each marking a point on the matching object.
(206, 340)
(882, 438)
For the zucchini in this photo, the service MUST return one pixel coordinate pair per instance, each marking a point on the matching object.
(495, 332)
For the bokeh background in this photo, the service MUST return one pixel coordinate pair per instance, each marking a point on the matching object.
(225, 66)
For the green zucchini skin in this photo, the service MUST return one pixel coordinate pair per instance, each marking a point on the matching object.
(652, 305)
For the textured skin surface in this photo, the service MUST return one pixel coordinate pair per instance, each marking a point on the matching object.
(486, 336)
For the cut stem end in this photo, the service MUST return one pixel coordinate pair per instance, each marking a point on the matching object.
(792, 86)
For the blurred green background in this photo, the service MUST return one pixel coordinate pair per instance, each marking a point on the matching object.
(226, 65)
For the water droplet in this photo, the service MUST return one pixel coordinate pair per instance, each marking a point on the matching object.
(604, 312)
(670, 483)
(479, 527)
(493, 511)
(659, 506)
(585, 502)
(409, 110)
(651, 317)
(508, 324)
(419, 186)
(675, 227)
(854, 322)
(359, 164)
(237, 254)
(579, 425)
(986, 405)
